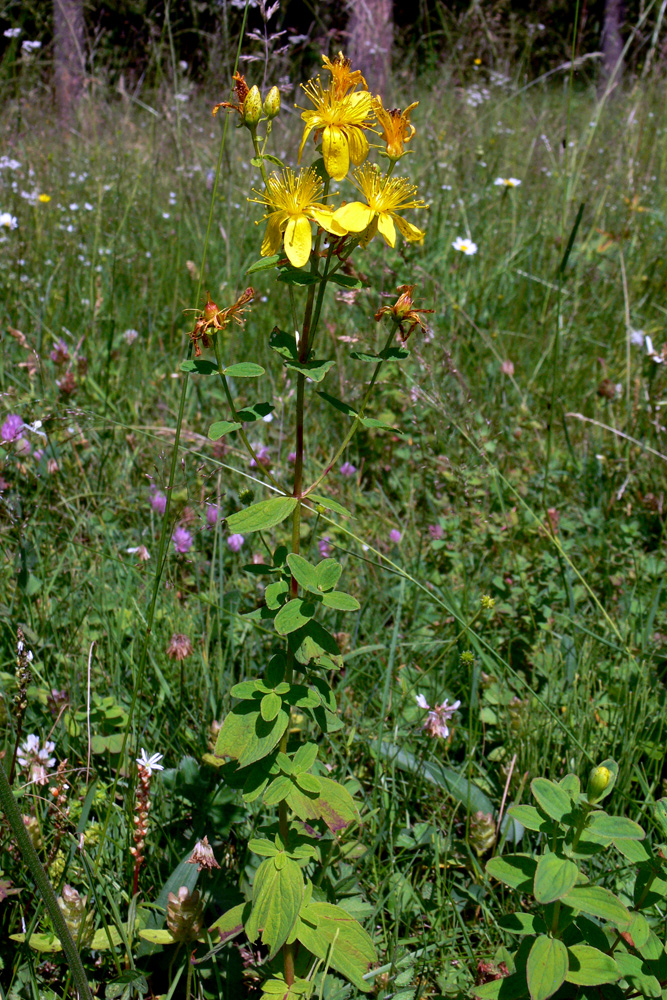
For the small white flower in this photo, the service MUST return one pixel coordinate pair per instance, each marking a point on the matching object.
(637, 337)
(35, 428)
(8, 221)
(508, 182)
(652, 353)
(27, 46)
(12, 32)
(130, 336)
(151, 763)
(465, 246)
(422, 702)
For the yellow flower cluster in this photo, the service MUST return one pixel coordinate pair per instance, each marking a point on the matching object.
(342, 114)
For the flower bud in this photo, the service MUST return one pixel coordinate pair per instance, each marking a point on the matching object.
(598, 781)
(185, 914)
(272, 103)
(78, 920)
(210, 309)
(252, 107)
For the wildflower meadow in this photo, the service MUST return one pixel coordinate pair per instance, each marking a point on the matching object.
(332, 500)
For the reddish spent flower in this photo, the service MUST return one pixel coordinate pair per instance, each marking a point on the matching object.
(180, 646)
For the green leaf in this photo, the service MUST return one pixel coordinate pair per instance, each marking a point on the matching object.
(39, 942)
(546, 968)
(257, 411)
(508, 988)
(339, 601)
(337, 404)
(570, 783)
(244, 369)
(270, 705)
(292, 276)
(118, 986)
(309, 783)
(660, 814)
(335, 805)
(283, 344)
(257, 161)
(598, 902)
(274, 593)
(264, 264)
(329, 504)
(529, 817)
(328, 574)
(293, 615)
(332, 934)
(388, 354)
(278, 790)
(522, 923)
(303, 572)
(379, 425)
(304, 758)
(633, 850)
(515, 870)
(638, 974)
(315, 370)
(638, 929)
(157, 935)
(554, 878)
(100, 940)
(246, 737)
(220, 428)
(590, 967)
(262, 515)
(265, 848)
(553, 799)
(614, 827)
(277, 894)
(201, 366)
(345, 280)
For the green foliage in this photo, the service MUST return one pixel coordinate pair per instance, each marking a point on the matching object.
(559, 940)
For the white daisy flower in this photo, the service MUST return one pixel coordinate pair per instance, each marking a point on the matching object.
(465, 246)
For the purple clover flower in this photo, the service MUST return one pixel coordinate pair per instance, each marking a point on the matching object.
(182, 540)
(436, 531)
(235, 542)
(324, 547)
(347, 469)
(11, 428)
(158, 502)
(212, 514)
(395, 536)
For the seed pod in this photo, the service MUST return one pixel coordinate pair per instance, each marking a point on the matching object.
(252, 107)
(272, 103)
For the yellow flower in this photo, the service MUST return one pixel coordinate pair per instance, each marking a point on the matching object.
(292, 202)
(44, 198)
(344, 78)
(340, 121)
(396, 127)
(385, 198)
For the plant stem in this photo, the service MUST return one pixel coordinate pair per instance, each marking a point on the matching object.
(29, 855)
(357, 420)
(237, 419)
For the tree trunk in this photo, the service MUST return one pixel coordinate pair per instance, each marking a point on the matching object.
(612, 42)
(371, 30)
(69, 40)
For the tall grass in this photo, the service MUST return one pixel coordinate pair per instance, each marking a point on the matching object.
(529, 467)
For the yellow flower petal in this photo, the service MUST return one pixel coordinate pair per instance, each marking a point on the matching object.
(272, 236)
(336, 152)
(386, 228)
(325, 219)
(298, 240)
(358, 144)
(354, 217)
(407, 230)
(306, 132)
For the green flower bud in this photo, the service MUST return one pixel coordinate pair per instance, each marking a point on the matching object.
(252, 107)
(272, 103)
(246, 495)
(598, 781)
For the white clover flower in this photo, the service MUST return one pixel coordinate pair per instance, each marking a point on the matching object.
(29, 47)
(8, 221)
(637, 337)
(465, 246)
(12, 32)
(130, 336)
(422, 702)
(38, 759)
(508, 182)
(7, 163)
(151, 763)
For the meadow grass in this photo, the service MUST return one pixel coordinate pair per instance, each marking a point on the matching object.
(528, 469)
